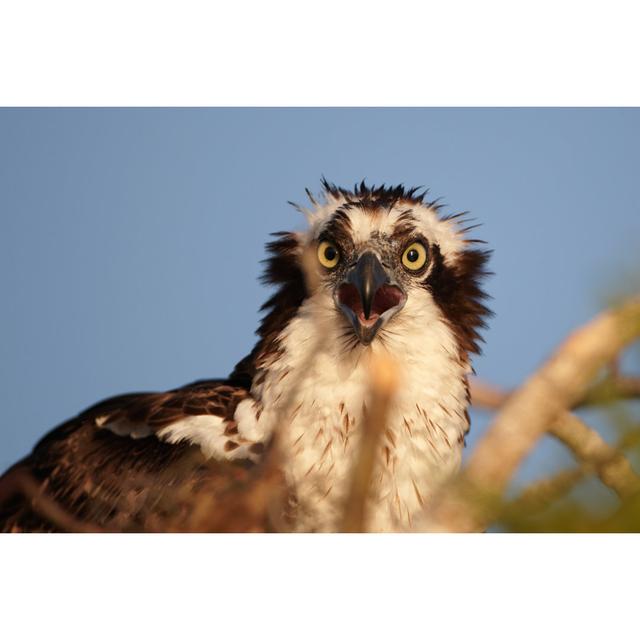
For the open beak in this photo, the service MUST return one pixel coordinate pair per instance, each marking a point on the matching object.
(368, 297)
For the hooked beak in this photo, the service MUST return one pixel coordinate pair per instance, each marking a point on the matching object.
(368, 297)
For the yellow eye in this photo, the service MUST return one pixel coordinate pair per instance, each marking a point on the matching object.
(414, 256)
(328, 255)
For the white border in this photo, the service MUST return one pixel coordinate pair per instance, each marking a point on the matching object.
(334, 52)
(322, 586)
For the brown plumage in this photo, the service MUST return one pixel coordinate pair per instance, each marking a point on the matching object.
(122, 484)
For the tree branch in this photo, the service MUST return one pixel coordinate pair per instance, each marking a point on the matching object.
(384, 382)
(540, 494)
(609, 464)
(613, 387)
(466, 505)
(21, 481)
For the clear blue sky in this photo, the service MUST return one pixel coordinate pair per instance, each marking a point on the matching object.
(130, 239)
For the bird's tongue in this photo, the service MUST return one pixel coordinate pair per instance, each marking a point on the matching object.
(387, 297)
(373, 318)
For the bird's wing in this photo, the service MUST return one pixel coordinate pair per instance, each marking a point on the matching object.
(201, 413)
(121, 456)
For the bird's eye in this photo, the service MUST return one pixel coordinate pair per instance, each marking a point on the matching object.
(328, 255)
(414, 256)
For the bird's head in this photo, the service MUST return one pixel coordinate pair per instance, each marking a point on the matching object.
(370, 267)
(375, 259)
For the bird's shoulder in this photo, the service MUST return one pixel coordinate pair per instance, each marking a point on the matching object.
(114, 459)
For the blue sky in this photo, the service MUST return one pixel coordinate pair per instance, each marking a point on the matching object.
(130, 239)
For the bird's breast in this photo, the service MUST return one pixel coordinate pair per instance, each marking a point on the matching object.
(315, 394)
(320, 430)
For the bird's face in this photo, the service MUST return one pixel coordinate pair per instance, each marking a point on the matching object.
(376, 264)
(370, 281)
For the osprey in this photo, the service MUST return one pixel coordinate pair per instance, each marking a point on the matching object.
(390, 276)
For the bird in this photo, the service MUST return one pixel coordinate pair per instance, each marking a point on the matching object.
(377, 271)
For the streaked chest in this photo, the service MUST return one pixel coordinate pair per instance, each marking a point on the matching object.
(320, 402)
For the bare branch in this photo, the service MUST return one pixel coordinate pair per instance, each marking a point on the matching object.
(384, 381)
(614, 387)
(526, 414)
(486, 396)
(608, 463)
(539, 495)
(21, 481)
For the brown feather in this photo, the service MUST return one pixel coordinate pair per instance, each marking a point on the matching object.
(116, 482)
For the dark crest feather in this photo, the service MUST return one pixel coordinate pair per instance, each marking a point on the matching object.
(376, 196)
